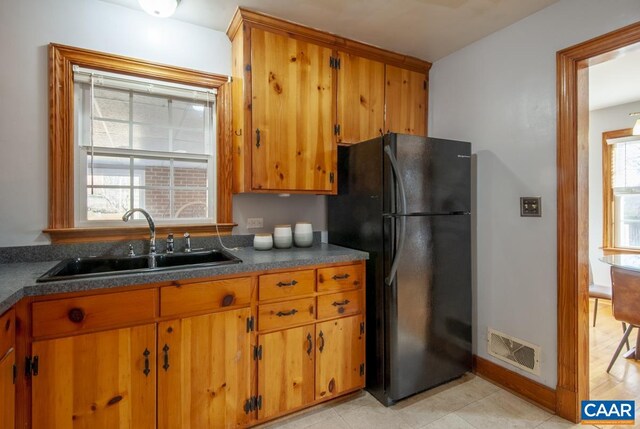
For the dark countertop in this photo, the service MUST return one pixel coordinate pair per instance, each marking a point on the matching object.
(18, 280)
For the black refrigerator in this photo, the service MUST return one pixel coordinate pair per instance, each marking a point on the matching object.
(406, 200)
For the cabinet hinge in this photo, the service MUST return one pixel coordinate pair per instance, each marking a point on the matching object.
(361, 369)
(15, 373)
(247, 67)
(31, 366)
(250, 324)
(257, 352)
(332, 62)
(336, 129)
(337, 63)
(331, 177)
(361, 328)
(252, 404)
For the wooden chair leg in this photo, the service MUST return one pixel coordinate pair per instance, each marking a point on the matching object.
(625, 338)
(595, 312)
(624, 329)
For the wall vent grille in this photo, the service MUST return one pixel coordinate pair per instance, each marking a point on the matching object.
(514, 351)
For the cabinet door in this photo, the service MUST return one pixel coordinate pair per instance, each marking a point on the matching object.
(339, 356)
(7, 391)
(204, 371)
(105, 380)
(292, 114)
(406, 100)
(360, 98)
(285, 372)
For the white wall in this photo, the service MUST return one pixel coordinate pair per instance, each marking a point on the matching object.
(500, 94)
(26, 28)
(600, 121)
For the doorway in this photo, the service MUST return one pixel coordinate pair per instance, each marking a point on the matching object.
(572, 220)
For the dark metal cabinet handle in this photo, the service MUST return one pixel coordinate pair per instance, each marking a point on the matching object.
(257, 137)
(227, 300)
(310, 341)
(76, 315)
(321, 339)
(286, 313)
(147, 370)
(339, 303)
(165, 350)
(291, 283)
(340, 277)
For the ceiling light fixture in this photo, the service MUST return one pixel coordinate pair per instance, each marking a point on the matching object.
(636, 127)
(159, 8)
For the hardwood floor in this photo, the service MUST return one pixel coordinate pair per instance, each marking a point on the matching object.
(623, 382)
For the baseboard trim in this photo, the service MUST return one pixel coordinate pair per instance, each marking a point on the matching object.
(533, 391)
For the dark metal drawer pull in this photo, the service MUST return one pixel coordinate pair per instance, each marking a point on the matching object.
(257, 137)
(165, 349)
(322, 339)
(291, 283)
(76, 315)
(147, 370)
(286, 313)
(339, 303)
(310, 341)
(340, 277)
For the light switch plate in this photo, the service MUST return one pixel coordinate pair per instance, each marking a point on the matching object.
(254, 222)
(531, 206)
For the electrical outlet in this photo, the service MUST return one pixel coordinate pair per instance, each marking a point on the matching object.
(254, 222)
(530, 206)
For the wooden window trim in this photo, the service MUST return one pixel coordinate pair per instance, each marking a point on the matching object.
(608, 212)
(61, 180)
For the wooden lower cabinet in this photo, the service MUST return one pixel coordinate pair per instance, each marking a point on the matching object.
(204, 371)
(101, 380)
(7, 391)
(286, 370)
(339, 356)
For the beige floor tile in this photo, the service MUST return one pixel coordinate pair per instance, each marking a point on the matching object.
(503, 410)
(450, 421)
(304, 419)
(556, 422)
(370, 417)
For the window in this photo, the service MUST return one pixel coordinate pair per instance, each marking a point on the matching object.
(621, 190)
(129, 133)
(142, 143)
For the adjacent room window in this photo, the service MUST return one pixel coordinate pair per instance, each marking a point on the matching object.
(142, 143)
(621, 162)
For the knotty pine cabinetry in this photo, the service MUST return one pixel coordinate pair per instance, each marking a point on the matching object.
(298, 92)
(211, 353)
(7, 370)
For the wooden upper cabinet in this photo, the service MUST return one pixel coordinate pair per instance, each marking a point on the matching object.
(204, 371)
(292, 81)
(105, 380)
(360, 108)
(406, 101)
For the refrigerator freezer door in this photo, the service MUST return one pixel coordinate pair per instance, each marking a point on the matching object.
(436, 173)
(429, 305)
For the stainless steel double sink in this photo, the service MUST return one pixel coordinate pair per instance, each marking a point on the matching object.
(75, 268)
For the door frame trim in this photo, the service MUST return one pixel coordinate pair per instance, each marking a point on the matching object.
(572, 215)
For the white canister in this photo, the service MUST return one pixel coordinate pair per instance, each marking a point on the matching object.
(303, 234)
(282, 236)
(263, 241)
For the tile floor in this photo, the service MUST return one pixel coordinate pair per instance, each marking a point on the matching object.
(468, 403)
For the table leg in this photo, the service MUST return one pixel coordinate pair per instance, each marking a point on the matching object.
(634, 353)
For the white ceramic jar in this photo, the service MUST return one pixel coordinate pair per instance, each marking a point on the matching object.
(303, 234)
(282, 236)
(263, 241)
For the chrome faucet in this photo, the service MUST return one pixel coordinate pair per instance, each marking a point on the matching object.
(152, 233)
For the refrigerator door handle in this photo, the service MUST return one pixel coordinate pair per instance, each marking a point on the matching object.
(403, 219)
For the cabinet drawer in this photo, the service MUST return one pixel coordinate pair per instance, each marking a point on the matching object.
(285, 285)
(177, 300)
(7, 332)
(76, 315)
(339, 278)
(283, 314)
(339, 304)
